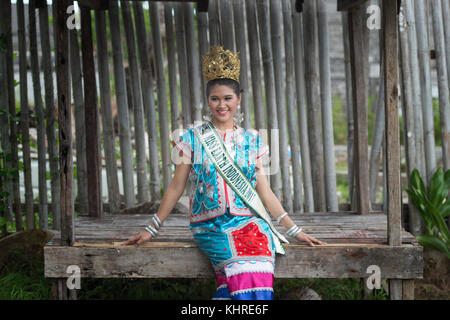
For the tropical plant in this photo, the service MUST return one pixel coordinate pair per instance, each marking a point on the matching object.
(434, 206)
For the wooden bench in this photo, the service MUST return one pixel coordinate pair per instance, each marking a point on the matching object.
(354, 242)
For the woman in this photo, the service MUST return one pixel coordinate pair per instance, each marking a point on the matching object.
(239, 242)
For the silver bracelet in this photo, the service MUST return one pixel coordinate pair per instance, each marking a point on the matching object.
(293, 231)
(281, 217)
(152, 231)
(156, 222)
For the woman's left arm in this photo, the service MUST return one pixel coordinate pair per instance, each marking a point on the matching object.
(274, 206)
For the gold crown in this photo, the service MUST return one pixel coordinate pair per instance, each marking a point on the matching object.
(219, 63)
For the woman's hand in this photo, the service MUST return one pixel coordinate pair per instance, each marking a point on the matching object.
(308, 239)
(142, 237)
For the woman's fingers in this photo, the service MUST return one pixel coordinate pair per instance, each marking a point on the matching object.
(309, 240)
(131, 240)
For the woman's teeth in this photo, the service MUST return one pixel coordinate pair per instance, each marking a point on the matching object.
(222, 112)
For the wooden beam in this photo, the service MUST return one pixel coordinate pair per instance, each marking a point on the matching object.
(349, 4)
(90, 115)
(64, 122)
(299, 5)
(185, 260)
(360, 112)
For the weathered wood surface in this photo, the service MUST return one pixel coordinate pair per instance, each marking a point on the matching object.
(329, 227)
(184, 260)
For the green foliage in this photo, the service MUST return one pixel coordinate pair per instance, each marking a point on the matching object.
(433, 207)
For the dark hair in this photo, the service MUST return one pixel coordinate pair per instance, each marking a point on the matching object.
(225, 82)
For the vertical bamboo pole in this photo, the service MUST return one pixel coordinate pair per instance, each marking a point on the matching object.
(226, 24)
(50, 114)
(312, 82)
(25, 118)
(302, 117)
(139, 132)
(193, 62)
(43, 206)
(214, 23)
(64, 122)
(277, 46)
(5, 117)
(241, 47)
(172, 65)
(161, 86)
(148, 100)
(90, 115)
(107, 120)
(182, 64)
(349, 110)
(377, 137)
(416, 87)
(80, 131)
(122, 105)
(441, 64)
(291, 110)
(446, 14)
(408, 116)
(359, 91)
(269, 83)
(255, 65)
(393, 201)
(203, 48)
(327, 113)
(13, 122)
(427, 102)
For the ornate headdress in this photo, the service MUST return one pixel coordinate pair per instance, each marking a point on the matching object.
(219, 63)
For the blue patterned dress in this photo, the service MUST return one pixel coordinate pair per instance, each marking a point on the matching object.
(237, 242)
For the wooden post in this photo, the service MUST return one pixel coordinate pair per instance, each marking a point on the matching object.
(302, 111)
(25, 118)
(80, 130)
(107, 120)
(427, 103)
(50, 114)
(43, 204)
(161, 85)
(90, 115)
(241, 47)
(203, 48)
(357, 49)
(327, 108)
(122, 106)
(291, 107)
(255, 65)
(148, 100)
(312, 84)
(64, 122)
(214, 23)
(441, 64)
(393, 196)
(176, 122)
(269, 83)
(182, 65)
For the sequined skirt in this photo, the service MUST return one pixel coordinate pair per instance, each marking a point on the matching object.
(241, 251)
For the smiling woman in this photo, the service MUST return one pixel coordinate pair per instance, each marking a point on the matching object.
(230, 193)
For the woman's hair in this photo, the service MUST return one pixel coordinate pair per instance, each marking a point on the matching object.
(225, 82)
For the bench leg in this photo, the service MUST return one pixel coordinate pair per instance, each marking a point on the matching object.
(408, 289)
(60, 290)
(395, 289)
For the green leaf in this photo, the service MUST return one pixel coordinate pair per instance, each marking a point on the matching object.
(434, 243)
(447, 179)
(438, 191)
(417, 182)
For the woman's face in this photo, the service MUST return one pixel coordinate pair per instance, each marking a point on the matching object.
(223, 102)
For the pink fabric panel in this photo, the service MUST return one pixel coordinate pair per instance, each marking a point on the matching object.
(249, 280)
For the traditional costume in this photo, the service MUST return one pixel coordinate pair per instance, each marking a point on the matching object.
(227, 218)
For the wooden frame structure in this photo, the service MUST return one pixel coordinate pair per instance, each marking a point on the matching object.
(385, 244)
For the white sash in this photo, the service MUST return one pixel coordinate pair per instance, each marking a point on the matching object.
(233, 175)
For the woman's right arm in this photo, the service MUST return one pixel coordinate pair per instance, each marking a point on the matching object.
(169, 200)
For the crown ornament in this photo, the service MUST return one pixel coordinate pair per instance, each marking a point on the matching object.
(219, 63)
